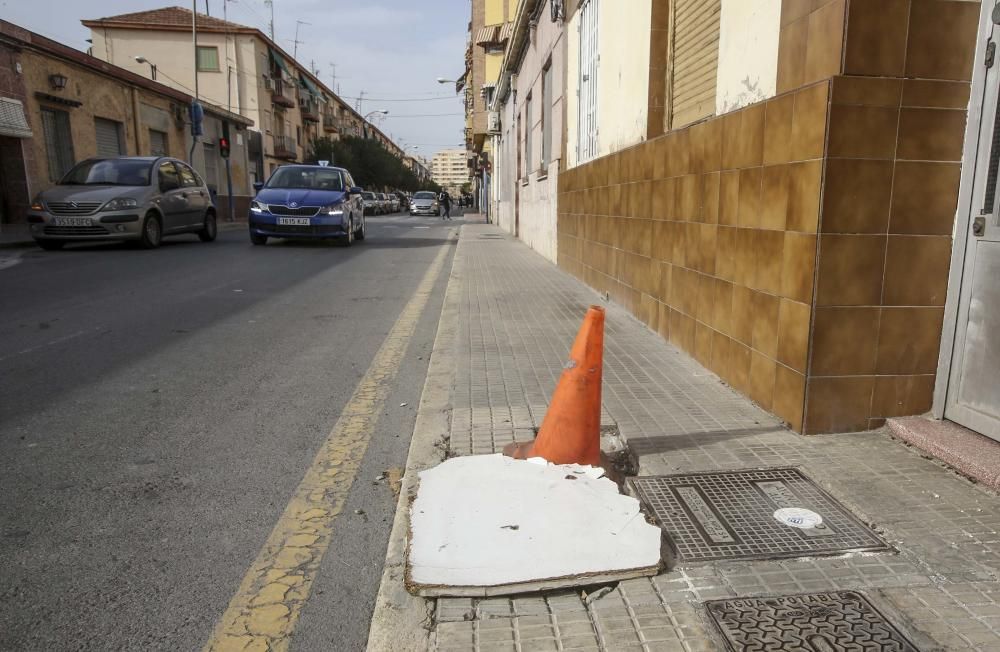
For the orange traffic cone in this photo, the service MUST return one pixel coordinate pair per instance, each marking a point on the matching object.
(571, 430)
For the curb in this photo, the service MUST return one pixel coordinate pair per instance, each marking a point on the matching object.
(401, 621)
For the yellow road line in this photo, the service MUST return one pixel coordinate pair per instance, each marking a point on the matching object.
(264, 611)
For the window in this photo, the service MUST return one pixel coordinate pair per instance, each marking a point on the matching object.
(208, 58)
(157, 143)
(527, 135)
(109, 137)
(298, 135)
(168, 176)
(211, 167)
(189, 178)
(694, 61)
(547, 116)
(587, 83)
(58, 142)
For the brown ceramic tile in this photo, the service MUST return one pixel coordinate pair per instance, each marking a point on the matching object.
(648, 309)
(710, 185)
(809, 122)
(908, 340)
(745, 255)
(899, 396)
(936, 94)
(750, 143)
(725, 256)
(678, 239)
(850, 270)
(703, 337)
(916, 270)
(722, 306)
(942, 39)
(931, 134)
(838, 404)
(742, 317)
(804, 184)
(749, 202)
(774, 197)
(876, 38)
(739, 366)
(870, 91)
(729, 197)
(798, 266)
(862, 131)
(720, 354)
(689, 197)
(792, 43)
(663, 321)
(825, 41)
(793, 334)
(856, 197)
(707, 243)
(924, 198)
(764, 333)
(731, 128)
(706, 293)
(792, 10)
(762, 372)
(778, 129)
(844, 341)
(768, 254)
(789, 396)
(712, 146)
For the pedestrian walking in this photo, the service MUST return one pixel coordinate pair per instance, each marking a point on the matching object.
(446, 202)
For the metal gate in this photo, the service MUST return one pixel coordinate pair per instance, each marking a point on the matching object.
(589, 60)
(109, 137)
(972, 396)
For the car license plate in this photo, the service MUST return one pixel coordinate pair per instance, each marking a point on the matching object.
(72, 221)
(294, 221)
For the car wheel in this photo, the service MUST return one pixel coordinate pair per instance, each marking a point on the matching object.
(360, 233)
(50, 245)
(349, 240)
(210, 230)
(256, 239)
(152, 232)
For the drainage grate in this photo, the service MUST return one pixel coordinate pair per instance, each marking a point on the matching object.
(844, 620)
(730, 515)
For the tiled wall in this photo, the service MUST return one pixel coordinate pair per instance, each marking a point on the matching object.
(799, 247)
(708, 234)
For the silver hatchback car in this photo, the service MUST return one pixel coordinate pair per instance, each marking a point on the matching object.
(123, 198)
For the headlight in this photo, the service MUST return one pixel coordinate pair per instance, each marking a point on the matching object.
(120, 204)
(256, 206)
(37, 205)
(335, 209)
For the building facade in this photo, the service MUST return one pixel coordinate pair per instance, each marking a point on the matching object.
(76, 107)
(772, 185)
(450, 170)
(236, 66)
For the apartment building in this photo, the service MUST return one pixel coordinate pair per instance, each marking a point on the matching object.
(59, 106)
(236, 66)
(450, 170)
(772, 185)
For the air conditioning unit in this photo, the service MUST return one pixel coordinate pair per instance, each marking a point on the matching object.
(493, 122)
(268, 83)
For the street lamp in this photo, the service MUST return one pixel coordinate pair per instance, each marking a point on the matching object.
(370, 114)
(442, 80)
(152, 66)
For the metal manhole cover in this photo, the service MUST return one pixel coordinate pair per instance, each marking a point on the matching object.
(822, 622)
(731, 515)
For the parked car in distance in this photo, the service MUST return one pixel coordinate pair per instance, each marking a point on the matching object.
(384, 200)
(308, 202)
(138, 198)
(370, 203)
(425, 202)
(393, 202)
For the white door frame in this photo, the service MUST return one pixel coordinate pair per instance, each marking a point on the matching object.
(974, 160)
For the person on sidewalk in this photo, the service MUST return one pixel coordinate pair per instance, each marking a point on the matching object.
(446, 202)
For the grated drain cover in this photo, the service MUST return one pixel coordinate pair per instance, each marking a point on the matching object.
(732, 515)
(823, 622)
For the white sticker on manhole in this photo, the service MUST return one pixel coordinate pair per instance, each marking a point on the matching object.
(798, 517)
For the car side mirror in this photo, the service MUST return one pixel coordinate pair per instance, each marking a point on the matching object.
(357, 190)
(258, 185)
(166, 185)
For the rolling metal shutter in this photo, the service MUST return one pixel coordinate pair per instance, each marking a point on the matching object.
(695, 60)
(109, 137)
(157, 143)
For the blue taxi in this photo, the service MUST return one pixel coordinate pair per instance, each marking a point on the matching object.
(307, 202)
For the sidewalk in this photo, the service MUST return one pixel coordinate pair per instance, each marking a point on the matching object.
(508, 322)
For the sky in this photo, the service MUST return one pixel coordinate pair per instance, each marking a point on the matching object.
(393, 50)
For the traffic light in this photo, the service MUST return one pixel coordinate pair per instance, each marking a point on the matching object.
(224, 141)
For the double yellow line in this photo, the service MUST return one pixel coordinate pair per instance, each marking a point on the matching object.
(264, 611)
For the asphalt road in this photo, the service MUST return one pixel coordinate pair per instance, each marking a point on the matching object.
(158, 409)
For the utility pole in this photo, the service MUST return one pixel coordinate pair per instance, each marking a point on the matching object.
(270, 3)
(295, 50)
(361, 98)
(208, 11)
(333, 77)
(194, 43)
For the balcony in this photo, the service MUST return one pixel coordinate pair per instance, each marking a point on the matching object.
(283, 93)
(309, 109)
(284, 147)
(330, 124)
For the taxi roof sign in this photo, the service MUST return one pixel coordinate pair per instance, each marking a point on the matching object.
(324, 163)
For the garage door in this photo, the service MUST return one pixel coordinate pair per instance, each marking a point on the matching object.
(109, 137)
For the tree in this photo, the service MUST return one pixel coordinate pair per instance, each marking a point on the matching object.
(369, 162)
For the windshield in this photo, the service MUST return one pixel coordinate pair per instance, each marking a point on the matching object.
(110, 172)
(309, 178)
(424, 195)
(368, 195)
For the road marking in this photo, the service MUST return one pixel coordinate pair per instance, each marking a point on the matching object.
(421, 227)
(264, 611)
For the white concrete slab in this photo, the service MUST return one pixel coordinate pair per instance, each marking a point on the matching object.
(490, 525)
